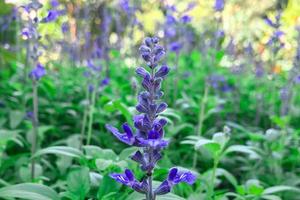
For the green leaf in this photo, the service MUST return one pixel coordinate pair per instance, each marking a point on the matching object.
(31, 191)
(78, 182)
(93, 152)
(107, 186)
(221, 139)
(242, 149)
(280, 188)
(253, 187)
(7, 135)
(228, 176)
(15, 118)
(271, 197)
(127, 152)
(117, 105)
(60, 150)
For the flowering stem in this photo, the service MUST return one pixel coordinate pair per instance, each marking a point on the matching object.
(201, 119)
(85, 115)
(91, 116)
(35, 126)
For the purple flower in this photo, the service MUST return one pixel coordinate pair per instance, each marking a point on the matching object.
(259, 69)
(284, 93)
(65, 27)
(127, 137)
(105, 82)
(149, 127)
(170, 20)
(128, 179)
(186, 19)
(219, 34)
(219, 5)
(54, 3)
(175, 177)
(38, 72)
(52, 16)
(297, 79)
(175, 47)
(29, 115)
(275, 24)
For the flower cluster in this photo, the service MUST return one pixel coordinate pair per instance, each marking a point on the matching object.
(31, 34)
(275, 39)
(175, 25)
(93, 73)
(149, 134)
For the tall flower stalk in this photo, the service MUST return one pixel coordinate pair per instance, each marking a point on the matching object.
(32, 36)
(149, 127)
(30, 33)
(95, 84)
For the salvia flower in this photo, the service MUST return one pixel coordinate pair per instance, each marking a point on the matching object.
(219, 5)
(38, 72)
(175, 47)
(65, 27)
(186, 19)
(54, 3)
(52, 16)
(149, 127)
(175, 177)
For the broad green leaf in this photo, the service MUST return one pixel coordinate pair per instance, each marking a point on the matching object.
(93, 152)
(7, 135)
(228, 176)
(15, 118)
(280, 188)
(271, 197)
(30, 191)
(60, 150)
(127, 152)
(242, 149)
(78, 182)
(253, 187)
(220, 138)
(107, 186)
(117, 105)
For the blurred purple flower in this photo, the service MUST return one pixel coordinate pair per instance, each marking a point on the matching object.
(259, 70)
(170, 20)
(186, 19)
(29, 115)
(284, 93)
(54, 3)
(52, 16)
(105, 82)
(38, 72)
(65, 27)
(175, 47)
(297, 79)
(219, 5)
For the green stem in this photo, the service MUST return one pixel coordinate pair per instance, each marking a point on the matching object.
(91, 116)
(213, 176)
(200, 120)
(35, 126)
(85, 115)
